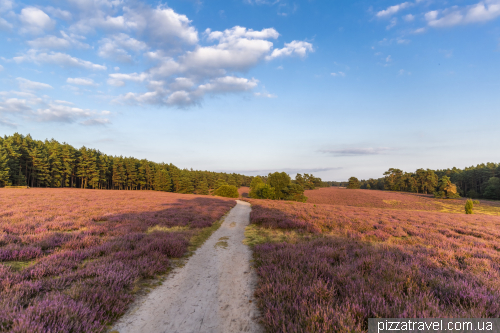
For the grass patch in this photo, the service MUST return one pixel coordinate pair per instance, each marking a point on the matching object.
(392, 202)
(166, 229)
(255, 234)
(478, 209)
(18, 265)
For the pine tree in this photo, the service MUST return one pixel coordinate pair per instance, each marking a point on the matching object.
(4, 168)
(202, 187)
(162, 181)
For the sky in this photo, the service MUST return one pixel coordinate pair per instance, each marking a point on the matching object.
(333, 88)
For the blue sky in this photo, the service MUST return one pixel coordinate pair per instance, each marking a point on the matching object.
(333, 88)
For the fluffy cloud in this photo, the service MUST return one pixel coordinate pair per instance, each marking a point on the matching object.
(116, 47)
(53, 42)
(393, 9)
(481, 12)
(298, 48)
(57, 58)
(26, 84)
(32, 107)
(35, 21)
(81, 81)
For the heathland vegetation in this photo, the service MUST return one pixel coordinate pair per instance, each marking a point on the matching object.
(348, 255)
(73, 260)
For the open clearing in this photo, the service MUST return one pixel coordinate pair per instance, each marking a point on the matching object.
(213, 292)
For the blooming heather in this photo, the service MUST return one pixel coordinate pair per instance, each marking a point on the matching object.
(71, 258)
(356, 263)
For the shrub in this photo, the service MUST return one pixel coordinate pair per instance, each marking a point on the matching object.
(228, 191)
(469, 205)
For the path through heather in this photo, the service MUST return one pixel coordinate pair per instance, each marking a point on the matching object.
(213, 292)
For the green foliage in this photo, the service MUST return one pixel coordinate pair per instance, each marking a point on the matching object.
(263, 191)
(256, 182)
(353, 183)
(446, 190)
(228, 191)
(202, 187)
(162, 181)
(469, 206)
(279, 181)
(492, 190)
(309, 182)
(4, 168)
(220, 182)
(34, 163)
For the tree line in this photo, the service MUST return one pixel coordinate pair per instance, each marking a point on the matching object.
(279, 186)
(35, 163)
(481, 181)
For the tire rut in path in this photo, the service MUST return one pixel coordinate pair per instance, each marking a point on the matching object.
(212, 293)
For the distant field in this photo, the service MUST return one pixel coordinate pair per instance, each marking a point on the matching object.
(330, 267)
(243, 191)
(71, 260)
(395, 200)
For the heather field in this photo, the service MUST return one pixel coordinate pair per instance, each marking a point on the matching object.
(395, 200)
(71, 260)
(330, 267)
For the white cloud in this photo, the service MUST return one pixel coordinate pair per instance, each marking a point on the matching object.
(49, 42)
(5, 5)
(118, 79)
(35, 21)
(409, 18)
(4, 25)
(53, 42)
(115, 47)
(342, 74)
(483, 11)
(81, 81)
(265, 95)
(228, 84)
(388, 59)
(26, 84)
(392, 24)
(393, 9)
(419, 30)
(59, 13)
(57, 58)
(1, 68)
(34, 108)
(403, 72)
(299, 48)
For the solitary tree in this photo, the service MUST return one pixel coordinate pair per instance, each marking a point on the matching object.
(353, 183)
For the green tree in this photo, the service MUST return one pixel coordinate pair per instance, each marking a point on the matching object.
(202, 187)
(492, 190)
(263, 191)
(469, 206)
(279, 181)
(228, 191)
(4, 168)
(446, 190)
(353, 183)
(162, 181)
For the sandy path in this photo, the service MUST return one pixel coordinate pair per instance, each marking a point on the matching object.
(213, 292)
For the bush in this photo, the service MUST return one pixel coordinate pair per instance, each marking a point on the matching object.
(469, 205)
(228, 191)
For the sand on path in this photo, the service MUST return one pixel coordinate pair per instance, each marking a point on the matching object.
(213, 292)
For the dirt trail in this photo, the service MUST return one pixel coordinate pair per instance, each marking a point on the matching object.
(213, 292)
